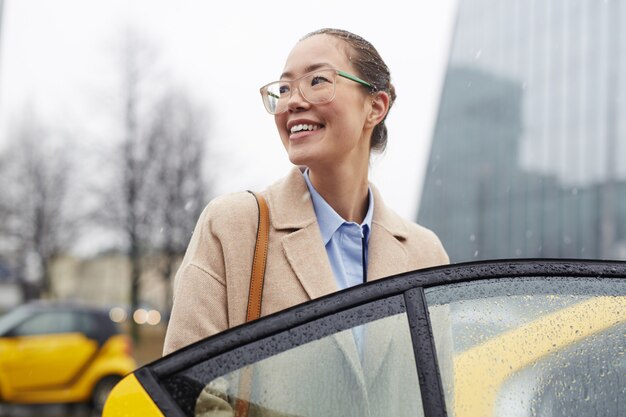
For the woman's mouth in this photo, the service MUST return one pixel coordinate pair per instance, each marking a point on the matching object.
(304, 128)
(301, 130)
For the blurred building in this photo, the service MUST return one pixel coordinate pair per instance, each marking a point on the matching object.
(529, 152)
(104, 280)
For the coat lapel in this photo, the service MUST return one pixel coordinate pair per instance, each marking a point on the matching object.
(377, 337)
(291, 210)
(309, 261)
(347, 345)
(386, 255)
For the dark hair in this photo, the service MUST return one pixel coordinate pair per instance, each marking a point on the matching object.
(371, 68)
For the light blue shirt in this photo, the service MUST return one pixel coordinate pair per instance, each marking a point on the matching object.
(345, 242)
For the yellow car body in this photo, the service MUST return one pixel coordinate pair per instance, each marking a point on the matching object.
(64, 367)
(128, 399)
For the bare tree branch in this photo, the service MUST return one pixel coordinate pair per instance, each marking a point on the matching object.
(159, 186)
(35, 184)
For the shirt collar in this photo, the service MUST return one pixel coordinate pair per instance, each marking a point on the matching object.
(328, 219)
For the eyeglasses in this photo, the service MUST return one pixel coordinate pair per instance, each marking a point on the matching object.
(316, 87)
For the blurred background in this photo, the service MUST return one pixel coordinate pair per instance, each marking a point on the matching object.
(120, 120)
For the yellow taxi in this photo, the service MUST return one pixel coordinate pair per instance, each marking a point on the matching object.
(61, 353)
(512, 337)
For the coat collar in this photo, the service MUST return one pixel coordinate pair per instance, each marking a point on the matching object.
(291, 207)
(290, 203)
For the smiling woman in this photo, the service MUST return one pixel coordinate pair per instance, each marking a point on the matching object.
(329, 228)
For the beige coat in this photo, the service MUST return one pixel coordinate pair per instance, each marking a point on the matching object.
(211, 286)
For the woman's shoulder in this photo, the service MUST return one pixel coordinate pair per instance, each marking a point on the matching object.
(241, 206)
(233, 209)
(425, 243)
(415, 230)
(231, 204)
(396, 224)
(419, 241)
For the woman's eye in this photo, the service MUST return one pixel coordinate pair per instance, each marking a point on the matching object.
(319, 79)
(283, 89)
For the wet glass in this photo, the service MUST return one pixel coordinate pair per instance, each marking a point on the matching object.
(366, 370)
(353, 363)
(532, 347)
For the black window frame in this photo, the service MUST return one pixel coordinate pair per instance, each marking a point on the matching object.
(411, 285)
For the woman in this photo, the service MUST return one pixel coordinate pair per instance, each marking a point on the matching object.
(329, 227)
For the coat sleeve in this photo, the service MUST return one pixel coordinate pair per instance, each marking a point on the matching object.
(213, 272)
(199, 309)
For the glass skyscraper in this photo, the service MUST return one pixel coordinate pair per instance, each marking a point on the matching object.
(528, 157)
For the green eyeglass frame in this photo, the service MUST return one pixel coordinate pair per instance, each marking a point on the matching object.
(356, 79)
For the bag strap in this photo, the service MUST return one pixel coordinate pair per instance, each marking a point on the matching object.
(242, 404)
(259, 261)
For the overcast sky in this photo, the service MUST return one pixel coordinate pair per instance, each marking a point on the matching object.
(56, 56)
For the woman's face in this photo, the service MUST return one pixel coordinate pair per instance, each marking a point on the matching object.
(340, 135)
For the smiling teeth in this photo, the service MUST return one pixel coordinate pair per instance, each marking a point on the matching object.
(298, 128)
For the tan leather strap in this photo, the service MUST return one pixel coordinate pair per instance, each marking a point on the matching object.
(242, 407)
(258, 262)
(255, 297)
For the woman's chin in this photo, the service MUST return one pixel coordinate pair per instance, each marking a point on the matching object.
(299, 160)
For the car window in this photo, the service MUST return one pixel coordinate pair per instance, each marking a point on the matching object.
(47, 322)
(532, 346)
(12, 319)
(354, 363)
(86, 323)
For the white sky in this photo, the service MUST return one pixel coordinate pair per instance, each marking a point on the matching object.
(57, 56)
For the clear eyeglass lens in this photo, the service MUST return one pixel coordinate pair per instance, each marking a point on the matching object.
(316, 88)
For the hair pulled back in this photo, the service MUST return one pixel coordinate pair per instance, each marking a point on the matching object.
(371, 68)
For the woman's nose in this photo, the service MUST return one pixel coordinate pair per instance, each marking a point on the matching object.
(297, 101)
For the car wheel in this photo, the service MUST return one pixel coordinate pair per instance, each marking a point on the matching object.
(101, 392)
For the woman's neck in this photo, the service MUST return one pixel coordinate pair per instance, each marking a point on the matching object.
(344, 189)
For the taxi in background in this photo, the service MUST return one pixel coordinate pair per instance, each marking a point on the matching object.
(61, 353)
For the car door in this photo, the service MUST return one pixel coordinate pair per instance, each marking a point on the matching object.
(342, 356)
(47, 351)
(501, 338)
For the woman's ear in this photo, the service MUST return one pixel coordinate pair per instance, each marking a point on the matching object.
(379, 108)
